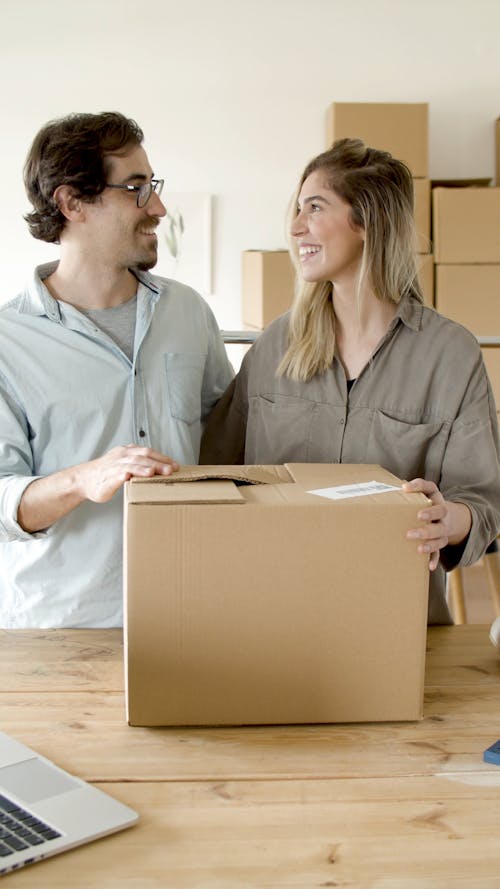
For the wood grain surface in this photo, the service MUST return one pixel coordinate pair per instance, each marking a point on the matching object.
(385, 806)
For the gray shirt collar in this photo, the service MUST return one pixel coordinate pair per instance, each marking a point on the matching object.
(409, 312)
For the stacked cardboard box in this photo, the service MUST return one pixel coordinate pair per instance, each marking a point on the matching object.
(403, 130)
(268, 284)
(399, 128)
(466, 231)
(497, 151)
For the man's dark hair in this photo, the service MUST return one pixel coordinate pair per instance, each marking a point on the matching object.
(72, 151)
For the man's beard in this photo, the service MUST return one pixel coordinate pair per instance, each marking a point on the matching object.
(148, 261)
(146, 264)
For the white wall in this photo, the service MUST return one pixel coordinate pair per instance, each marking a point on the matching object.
(232, 97)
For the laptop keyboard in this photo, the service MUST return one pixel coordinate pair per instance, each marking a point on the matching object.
(20, 829)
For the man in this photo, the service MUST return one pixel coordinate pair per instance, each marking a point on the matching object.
(104, 370)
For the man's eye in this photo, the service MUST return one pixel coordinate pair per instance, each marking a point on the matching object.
(315, 208)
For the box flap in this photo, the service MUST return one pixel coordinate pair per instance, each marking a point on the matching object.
(309, 476)
(207, 484)
(320, 474)
(252, 475)
(207, 491)
(222, 484)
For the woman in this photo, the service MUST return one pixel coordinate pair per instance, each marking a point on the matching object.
(361, 372)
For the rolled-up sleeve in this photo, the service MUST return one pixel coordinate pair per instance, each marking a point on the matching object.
(12, 489)
(16, 465)
(471, 471)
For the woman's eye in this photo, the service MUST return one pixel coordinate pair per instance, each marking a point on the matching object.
(315, 208)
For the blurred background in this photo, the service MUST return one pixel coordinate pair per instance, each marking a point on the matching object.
(232, 96)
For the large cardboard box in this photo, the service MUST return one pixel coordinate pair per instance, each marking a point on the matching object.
(261, 603)
(470, 294)
(268, 285)
(425, 264)
(422, 193)
(401, 128)
(466, 225)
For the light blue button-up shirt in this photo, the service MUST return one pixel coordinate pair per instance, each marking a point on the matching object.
(68, 394)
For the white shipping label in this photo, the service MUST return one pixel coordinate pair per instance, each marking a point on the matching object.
(340, 492)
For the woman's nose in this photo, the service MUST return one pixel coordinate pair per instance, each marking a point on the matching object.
(298, 225)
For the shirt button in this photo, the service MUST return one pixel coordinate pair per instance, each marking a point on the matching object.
(342, 421)
(142, 433)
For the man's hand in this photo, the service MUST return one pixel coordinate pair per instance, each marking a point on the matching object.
(48, 499)
(446, 522)
(100, 479)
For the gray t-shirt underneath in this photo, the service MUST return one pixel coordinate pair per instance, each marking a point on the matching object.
(118, 322)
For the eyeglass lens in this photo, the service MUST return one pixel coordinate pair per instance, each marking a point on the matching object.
(145, 191)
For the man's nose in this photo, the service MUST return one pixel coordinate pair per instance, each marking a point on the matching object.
(155, 205)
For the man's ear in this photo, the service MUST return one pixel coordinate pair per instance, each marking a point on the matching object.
(69, 203)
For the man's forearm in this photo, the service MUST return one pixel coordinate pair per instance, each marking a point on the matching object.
(48, 499)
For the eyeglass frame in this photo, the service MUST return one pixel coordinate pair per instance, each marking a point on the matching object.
(147, 188)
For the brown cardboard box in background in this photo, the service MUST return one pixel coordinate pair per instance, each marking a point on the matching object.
(491, 356)
(422, 193)
(401, 128)
(268, 284)
(470, 294)
(425, 264)
(466, 225)
(266, 604)
(497, 152)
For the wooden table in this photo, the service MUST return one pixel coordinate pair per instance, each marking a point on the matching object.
(387, 806)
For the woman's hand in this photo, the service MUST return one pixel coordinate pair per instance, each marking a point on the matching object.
(446, 522)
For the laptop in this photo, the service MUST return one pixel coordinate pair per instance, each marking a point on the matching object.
(45, 810)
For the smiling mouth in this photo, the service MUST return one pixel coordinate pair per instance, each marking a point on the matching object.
(308, 251)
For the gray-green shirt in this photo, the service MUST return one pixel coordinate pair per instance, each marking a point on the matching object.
(421, 408)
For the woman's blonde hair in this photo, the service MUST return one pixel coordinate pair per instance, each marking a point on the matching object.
(379, 190)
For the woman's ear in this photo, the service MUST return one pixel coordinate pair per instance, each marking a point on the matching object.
(359, 230)
(69, 203)
(356, 223)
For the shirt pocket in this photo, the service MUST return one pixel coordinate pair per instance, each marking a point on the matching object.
(409, 450)
(184, 372)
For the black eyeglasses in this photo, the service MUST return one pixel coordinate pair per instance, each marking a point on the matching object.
(144, 191)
